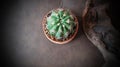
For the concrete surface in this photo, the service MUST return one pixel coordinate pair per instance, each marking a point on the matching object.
(25, 44)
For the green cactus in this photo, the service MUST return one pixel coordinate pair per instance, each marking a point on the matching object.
(60, 24)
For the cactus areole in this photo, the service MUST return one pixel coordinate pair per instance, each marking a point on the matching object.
(60, 26)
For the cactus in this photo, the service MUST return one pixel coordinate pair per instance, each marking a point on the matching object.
(60, 24)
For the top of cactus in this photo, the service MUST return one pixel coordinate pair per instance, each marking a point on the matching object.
(60, 23)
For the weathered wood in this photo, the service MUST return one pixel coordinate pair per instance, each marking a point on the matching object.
(99, 30)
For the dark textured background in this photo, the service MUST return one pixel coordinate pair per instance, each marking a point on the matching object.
(25, 45)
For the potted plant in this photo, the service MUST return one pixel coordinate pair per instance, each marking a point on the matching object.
(60, 26)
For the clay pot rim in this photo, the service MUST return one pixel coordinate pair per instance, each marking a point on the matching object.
(56, 41)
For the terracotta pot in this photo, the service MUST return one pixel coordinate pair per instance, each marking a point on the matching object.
(53, 39)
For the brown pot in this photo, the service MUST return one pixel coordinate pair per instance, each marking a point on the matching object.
(53, 39)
